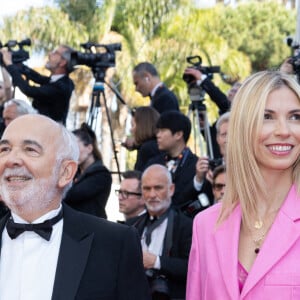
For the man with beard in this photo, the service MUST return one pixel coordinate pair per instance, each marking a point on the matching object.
(48, 250)
(165, 236)
(52, 96)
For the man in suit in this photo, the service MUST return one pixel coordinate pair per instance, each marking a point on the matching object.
(147, 83)
(165, 236)
(174, 130)
(131, 202)
(62, 254)
(52, 96)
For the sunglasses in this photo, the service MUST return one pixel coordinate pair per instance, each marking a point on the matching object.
(218, 186)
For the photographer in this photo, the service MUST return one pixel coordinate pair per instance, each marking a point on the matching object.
(52, 96)
(201, 187)
(203, 82)
(165, 236)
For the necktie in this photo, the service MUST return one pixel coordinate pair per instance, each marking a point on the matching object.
(42, 229)
(152, 224)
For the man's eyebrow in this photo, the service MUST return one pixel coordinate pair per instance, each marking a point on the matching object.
(4, 142)
(32, 143)
(25, 142)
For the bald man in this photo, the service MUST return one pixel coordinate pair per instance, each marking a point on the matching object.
(48, 250)
(165, 235)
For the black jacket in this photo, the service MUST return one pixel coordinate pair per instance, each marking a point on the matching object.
(164, 100)
(145, 152)
(221, 100)
(90, 190)
(49, 98)
(95, 258)
(174, 260)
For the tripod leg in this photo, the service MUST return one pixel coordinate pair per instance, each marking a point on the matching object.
(208, 137)
(111, 135)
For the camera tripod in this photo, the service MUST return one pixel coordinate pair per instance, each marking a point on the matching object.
(200, 121)
(95, 107)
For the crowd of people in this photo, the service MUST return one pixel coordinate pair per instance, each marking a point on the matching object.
(220, 227)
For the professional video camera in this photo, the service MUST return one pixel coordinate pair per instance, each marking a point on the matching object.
(19, 55)
(295, 58)
(196, 62)
(99, 61)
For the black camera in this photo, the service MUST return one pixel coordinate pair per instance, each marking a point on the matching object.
(196, 62)
(18, 56)
(194, 207)
(295, 58)
(99, 61)
(213, 163)
(159, 285)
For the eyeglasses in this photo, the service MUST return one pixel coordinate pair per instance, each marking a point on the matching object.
(126, 194)
(218, 186)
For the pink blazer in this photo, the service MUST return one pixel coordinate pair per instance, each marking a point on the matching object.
(213, 261)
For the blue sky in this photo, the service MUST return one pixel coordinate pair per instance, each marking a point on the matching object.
(12, 6)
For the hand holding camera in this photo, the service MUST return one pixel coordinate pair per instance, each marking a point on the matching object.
(193, 73)
(202, 167)
(13, 56)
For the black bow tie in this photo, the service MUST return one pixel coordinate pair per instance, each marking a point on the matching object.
(42, 229)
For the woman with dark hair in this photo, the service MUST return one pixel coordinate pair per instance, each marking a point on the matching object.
(91, 187)
(143, 129)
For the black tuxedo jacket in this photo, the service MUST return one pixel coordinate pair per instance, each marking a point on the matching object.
(50, 98)
(98, 260)
(90, 190)
(182, 177)
(164, 100)
(174, 261)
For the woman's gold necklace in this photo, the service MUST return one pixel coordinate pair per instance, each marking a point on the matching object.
(258, 225)
(258, 241)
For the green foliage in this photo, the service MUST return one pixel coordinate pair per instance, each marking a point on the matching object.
(40, 24)
(257, 29)
(165, 33)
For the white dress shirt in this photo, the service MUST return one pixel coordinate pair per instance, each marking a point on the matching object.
(157, 241)
(28, 263)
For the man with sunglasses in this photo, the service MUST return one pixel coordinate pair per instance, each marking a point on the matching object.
(131, 202)
(52, 95)
(219, 183)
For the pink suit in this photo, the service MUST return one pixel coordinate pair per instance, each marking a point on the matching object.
(213, 261)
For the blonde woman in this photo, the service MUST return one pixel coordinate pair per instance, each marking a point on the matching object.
(248, 246)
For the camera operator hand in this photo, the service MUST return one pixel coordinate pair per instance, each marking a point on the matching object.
(202, 170)
(287, 66)
(148, 260)
(6, 57)
(194, 73)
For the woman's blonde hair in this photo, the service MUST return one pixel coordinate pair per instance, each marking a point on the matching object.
(244, 180)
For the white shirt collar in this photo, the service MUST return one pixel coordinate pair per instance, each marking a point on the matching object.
(155, 89)
(56, 77)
